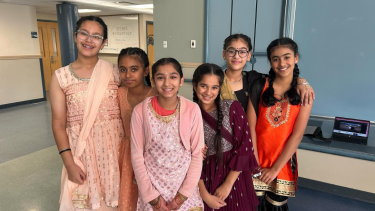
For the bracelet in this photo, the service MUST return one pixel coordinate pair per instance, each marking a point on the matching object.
(182, 197)
(304, 83)
(155, 203)
(64, 150)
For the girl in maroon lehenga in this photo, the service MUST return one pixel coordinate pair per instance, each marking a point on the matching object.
(226, 181)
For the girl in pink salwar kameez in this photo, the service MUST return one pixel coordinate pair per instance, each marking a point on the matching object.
(166, 143)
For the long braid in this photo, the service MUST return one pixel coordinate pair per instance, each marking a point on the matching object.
(268, 97)
(294, 97)
(218, 137)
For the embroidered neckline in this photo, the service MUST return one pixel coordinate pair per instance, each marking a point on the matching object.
(165, 119)
(76, 76)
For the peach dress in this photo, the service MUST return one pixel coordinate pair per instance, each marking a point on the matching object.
(128, 189)
(99, 158)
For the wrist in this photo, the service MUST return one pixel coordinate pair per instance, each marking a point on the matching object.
(155, 201)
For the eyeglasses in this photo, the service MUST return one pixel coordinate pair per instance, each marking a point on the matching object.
(233, 52)
(82, 35)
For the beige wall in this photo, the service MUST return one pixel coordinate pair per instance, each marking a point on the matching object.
(20, 80)
(337, 170)
(20, 75)
(178, 22)
(16, 24)
(49, 17)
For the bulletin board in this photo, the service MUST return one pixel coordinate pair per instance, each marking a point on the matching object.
(122, 33)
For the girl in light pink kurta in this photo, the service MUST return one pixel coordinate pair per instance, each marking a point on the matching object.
(166, 143)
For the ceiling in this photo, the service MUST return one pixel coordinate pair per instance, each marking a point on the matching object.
(107, 7)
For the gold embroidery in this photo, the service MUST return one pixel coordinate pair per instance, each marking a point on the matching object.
(278, 114)
(260, 193)
(275, 203)
(279, 187)
(196, 209)
(165, 119)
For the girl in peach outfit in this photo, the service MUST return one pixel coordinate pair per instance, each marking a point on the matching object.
(86, 123)
(133, 66)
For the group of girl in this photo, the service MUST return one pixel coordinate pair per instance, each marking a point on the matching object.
(127, 146)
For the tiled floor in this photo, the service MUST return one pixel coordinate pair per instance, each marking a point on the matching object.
(30, 166)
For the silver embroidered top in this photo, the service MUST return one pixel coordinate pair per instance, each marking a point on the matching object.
(209, 133)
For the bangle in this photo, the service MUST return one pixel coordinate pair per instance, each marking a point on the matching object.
(155, 203)
(304, 83)
(182, 197)
(64, 150)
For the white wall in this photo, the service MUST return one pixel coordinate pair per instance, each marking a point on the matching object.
(20, 75)
(49, 17)
(337, 170)
(142, 18)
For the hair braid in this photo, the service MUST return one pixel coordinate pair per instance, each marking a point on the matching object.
(268, 97)
(218, 137)
(294, 97)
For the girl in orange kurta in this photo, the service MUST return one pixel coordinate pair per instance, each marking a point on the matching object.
(277, 125)
(133, 67)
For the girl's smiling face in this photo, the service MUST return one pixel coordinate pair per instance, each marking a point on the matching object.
(240, 57)
(132, 71)
(167, 81)
(207, 89)
(283, 60)
(86, 46)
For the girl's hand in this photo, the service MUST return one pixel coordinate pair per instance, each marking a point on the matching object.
(75, 174)
(305, 91)
(161, 206)
(214, 202)
(177, 202)
(268, 175)
(223, 191)
(204, 151)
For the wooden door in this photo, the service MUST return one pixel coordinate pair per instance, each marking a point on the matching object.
(49, 49)
(150, 43)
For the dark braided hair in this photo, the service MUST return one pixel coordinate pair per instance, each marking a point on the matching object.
(140, 55)
(199, 73)
(268, 97)
(96, 19)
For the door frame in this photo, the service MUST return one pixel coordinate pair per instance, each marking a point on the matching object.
(147, 22)
(41, 62)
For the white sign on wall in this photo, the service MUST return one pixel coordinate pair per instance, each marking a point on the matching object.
(122, 33)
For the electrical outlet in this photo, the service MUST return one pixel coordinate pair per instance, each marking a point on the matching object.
(165, 44)
(193, 43)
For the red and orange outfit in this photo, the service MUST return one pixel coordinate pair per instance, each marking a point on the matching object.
(273, 129)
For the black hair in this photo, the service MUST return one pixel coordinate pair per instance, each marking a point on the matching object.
(165, 61)
(232, 37)
(199, 73)
(140, 55)
(268, 97)
(96, 19)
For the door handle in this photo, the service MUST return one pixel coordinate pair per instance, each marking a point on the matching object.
(52, 61)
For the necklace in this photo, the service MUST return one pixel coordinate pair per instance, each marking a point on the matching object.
(236, 82)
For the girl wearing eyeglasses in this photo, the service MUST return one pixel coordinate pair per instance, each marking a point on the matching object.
(236, 53)
(86, 123)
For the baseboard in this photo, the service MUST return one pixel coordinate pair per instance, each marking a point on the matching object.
(22, 103)
(337, 190)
